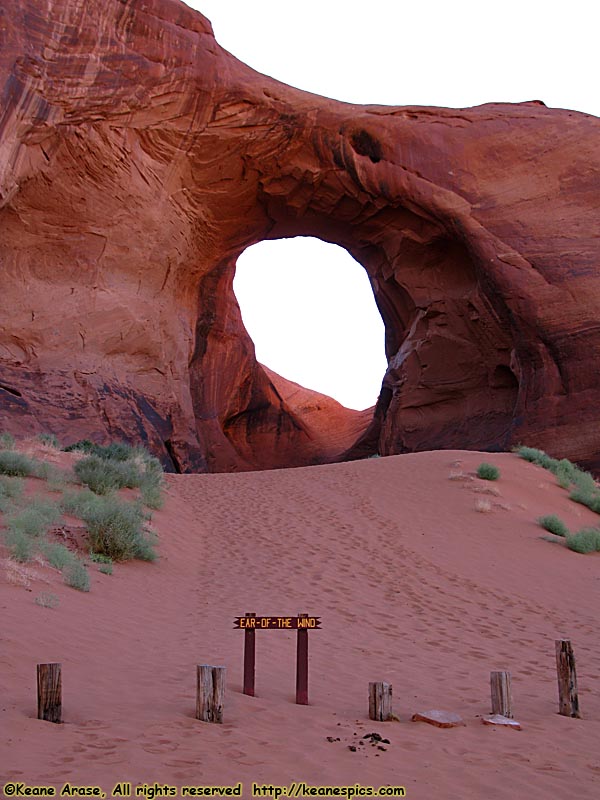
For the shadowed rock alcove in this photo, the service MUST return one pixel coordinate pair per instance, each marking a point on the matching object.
(140, 160)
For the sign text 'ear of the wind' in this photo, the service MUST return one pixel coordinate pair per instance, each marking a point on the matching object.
(277, 623)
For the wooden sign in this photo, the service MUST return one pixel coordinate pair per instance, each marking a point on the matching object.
(277, 623)
(250, 623)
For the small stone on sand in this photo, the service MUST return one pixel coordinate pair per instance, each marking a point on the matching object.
(442, 719)
(498, 719)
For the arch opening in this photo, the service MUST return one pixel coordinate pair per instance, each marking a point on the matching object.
(309, 309)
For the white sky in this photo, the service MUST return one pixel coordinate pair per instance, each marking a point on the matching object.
(456, 53)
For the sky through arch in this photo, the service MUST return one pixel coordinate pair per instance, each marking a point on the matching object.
(309, 309)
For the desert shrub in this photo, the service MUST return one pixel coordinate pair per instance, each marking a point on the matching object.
(76, 575)
(49, 439)
(35, 519)
(116, 530)
(106, 569)
(115, 451)
(100, 475)
(588, 498)
(587, 540)
(10, 491)
(554, 525)
(99, 558)
(585, 481)
(16, 464)
(488, 472)
(83, 445)
(47, 600)
(104, 476)
(535, 456)
(77, 502)
(567, 474)
(20, 545)
(56, 477)
(11, 487)
(7, 441)
(152, 494)
(57, 555)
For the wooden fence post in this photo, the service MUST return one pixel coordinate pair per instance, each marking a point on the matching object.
(501, 694)
(380, 701)
(249, 658)
(49, 692)
(210, 694)
(568, 700)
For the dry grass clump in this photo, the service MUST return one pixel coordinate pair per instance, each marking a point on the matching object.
(483, 505)
(18, 574)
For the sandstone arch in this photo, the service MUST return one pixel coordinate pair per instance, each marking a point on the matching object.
(138, 159)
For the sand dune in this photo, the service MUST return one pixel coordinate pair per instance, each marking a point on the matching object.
(414, 586)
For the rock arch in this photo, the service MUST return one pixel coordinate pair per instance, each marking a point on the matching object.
(138, 159)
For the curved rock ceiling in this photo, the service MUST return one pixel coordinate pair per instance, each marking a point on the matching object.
(138, 159)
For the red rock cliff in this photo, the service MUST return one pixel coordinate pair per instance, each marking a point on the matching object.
(138, 159)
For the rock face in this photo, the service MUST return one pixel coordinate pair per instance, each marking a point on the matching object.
(138, 159)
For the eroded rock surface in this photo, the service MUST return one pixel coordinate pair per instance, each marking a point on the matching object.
(138, 159)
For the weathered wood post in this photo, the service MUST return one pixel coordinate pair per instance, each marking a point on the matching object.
(302, 664)
(501, 694)
(568, 700)
(249, 658)
(380, 701)
(49, 692)
(210, 695)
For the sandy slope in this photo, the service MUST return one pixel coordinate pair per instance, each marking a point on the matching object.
(413, 586)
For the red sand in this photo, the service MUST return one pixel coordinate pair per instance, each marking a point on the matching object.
(413, 586)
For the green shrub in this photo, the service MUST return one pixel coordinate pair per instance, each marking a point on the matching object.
(35, 519)
(116, 530)
(106, 569)
(56, 477)
(488, 472)
(83, 445)
(7, 441)
(77, 502)
(566, 472)
(101, 476)
(152, 495)
(115, 451)
(104, 476)
(49, 439)
(538, 457)
(591, 499)
(554, 525)
(10, 491)
(20, 546)
(15, 464)
(587, 540)
(99, 558)
(57, 555)
(11, 487)
(76, 575)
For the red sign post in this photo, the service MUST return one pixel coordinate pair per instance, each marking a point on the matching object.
(250, 623)
(249, 658)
